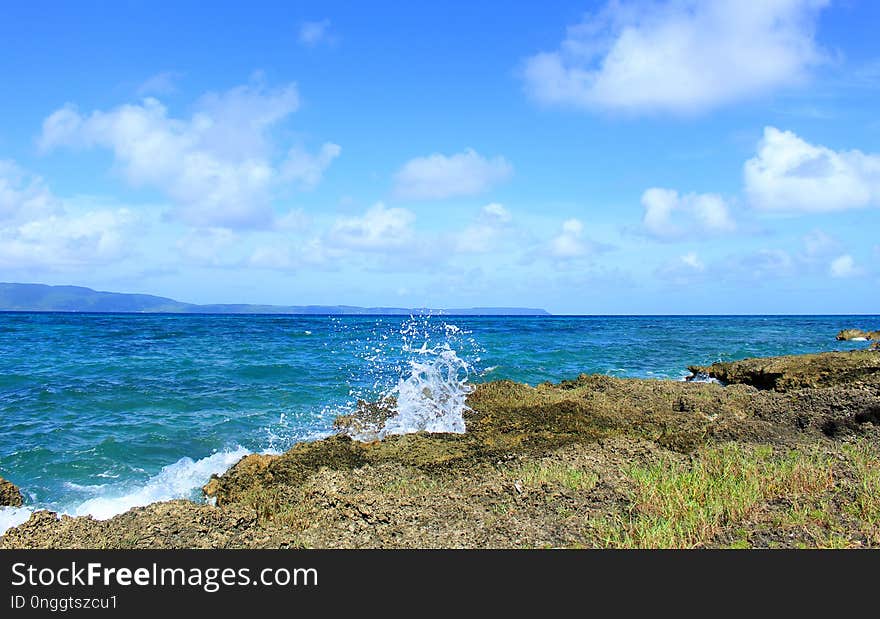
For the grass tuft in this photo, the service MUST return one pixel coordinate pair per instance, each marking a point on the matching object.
(686, 505)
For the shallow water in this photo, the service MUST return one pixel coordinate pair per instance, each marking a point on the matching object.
(99, 413)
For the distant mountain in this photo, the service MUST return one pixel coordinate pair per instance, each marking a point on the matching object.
(43, 298)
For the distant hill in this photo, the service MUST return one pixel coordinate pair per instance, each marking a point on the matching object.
(43, 298)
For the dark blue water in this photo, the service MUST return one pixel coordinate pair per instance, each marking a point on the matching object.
(102, 412)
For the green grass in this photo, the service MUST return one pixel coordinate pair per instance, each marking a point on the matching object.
(865, 462)
(685, 505)
(535, 474)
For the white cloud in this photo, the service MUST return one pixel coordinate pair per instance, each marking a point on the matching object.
(789, 174)
(440, 176)
(669, 215)
(216, 166)
(483, 235)
(495, 213)
(24, 195)
(314, 33)
(682, 270)
(569, 243)
(844, 266)
(693, 261)
(40, 231)
(71, 240)
(380, 229)
(163, 83)
(307, 169)
(681, 55)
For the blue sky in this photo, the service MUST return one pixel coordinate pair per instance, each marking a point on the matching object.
(585, 157)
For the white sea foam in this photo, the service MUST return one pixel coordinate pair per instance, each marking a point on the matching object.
(432, 398)
(13, 516)
(86, 488)
(700, 378)
(175, 481)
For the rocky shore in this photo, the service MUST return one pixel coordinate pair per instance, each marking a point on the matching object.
(10, 495)
(776, 452)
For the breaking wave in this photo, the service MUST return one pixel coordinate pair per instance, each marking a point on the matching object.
(432, 398)
(175, 481)
(420, 369)
(13, 516)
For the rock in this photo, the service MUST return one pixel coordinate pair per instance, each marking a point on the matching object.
(858, 334)
(798, 371)
(367, 421)
(10, 495)
(875, 346)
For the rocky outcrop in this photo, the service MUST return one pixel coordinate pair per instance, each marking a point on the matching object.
(789, 373)
(10, 495)
(858, 334)
(538, 466)
(366, 422)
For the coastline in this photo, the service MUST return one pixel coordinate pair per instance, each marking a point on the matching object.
(570, 464)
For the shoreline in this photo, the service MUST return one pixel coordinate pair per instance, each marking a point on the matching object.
(570, 445)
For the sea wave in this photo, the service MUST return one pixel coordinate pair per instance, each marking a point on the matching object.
(175, 481)
(13, 516)
(421, 369)
(432, 398)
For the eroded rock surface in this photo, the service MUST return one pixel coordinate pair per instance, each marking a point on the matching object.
(10, 495)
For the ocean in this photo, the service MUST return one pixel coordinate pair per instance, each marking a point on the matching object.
(103, 412)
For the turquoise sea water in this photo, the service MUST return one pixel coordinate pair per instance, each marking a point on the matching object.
(101, 412)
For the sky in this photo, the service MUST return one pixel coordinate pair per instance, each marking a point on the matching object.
(622, 157)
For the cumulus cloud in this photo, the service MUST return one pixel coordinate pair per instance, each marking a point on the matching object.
(24, 195)
(570, 242)
(669, 215)
(307, 169)
(483, 235)
(790, 174)
(315, 33)
(40, 231)
(680, 56)
(682, 270)
(843, 267)
(216, 166)
(439, 176)
(380, 229)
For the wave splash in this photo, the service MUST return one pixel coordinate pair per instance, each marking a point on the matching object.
(419, 370)
(432, 398)
(179, 480)
(13, 516)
